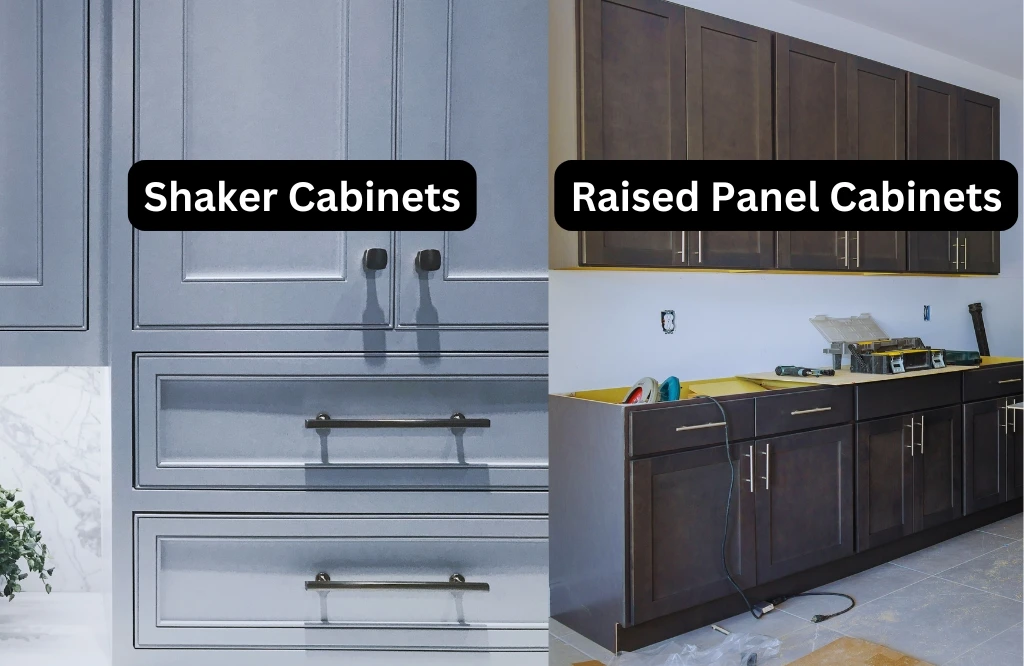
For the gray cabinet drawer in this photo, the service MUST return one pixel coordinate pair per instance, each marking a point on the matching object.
(223, 581)
(802, 410)
(992, 382)
(238, 421)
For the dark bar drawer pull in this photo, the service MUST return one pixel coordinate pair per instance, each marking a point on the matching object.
(457, 583)
(456, 420)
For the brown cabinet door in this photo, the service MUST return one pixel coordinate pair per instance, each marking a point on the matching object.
(632, 93)
(678, 520)
(932, 252)
(979, 126)
(803, 501)
(814, 250)
(810, 101)
(1015, 451)
(632, 248)
(979, 252)
(933, 119)
(731, 249)
(878, 251)
(877, 117)
(938, 467)
(885, 481)
(985, 440)
(728, 89)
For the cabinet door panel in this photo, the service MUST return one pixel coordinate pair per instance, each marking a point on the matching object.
(985, 439)
(885, 481)
(814, 250)
(877, 99)
(979, 251)
(495, 273)
(803, 501)
(632, 50)
(879, 251)
(731, 249)
(932, 252)
(938, 467)
(632, 248)
(728, 89)
(1015, 452)
(810, 101)
(323, 90)
(979, 130)
(933, 120)
(678, 519)
(43, 187)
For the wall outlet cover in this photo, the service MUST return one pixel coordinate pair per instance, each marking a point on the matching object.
(668, 321)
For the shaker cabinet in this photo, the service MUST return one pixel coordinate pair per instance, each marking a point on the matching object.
(803, 498)
(953, 251)
(885, 481)
(877, 102)
(1014, 434)
(986, 435)
(730, 249)
(810, 101)
(933, 119)
(340, 80)
(883, 251)
(938, 467)
(44, 119)
(632, 248)
(979, 126)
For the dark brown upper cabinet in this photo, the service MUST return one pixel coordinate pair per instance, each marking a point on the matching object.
(730, 249)
(631, 80)
(632, 248)
(877, 117)
(728, 89)
(979, 126)
(810, 101)
(882, 251)
(933, 119)
(953, 252)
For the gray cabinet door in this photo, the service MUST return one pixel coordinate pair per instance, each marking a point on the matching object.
(263, 79)
(43, 173)
(461, 95)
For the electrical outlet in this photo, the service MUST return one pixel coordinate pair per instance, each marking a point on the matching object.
(927, 313)
(668, 321)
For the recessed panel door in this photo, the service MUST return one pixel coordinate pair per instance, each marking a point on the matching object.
(938, 467)
(310, 79)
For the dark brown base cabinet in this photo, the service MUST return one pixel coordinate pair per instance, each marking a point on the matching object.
(659, 81)
(825, 480)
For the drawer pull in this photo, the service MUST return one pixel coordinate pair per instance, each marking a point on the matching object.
(811, 411)
(701, 427)
(1008, 381)
(455, 421)
(457, 583)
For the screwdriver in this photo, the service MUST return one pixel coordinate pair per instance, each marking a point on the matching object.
(798, 371)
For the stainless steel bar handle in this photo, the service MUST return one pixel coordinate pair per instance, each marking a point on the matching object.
(858, 249)
(700, 247)
(1008, 381)
(810, 411)
(957, 265)
(911, 445)
(1006, 415)
(456, 583)
(921, 442)
(767, 463)
(701, 426)
(846, 249)
(683, 251)
(1014, 412)
(457, 420)
(750, 455)
(965, 254)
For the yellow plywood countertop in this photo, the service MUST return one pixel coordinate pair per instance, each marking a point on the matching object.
(844, 377)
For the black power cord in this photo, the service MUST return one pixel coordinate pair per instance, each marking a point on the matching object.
(759, 611)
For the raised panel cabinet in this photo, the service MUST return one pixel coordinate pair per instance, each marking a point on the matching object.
(1015, 450)
(877, 116)
(933, 119)
(810, 101)
(953, 252)
(979, 126)
(986, 434)
(885, 481)
(44, 64)
(843, 250)
(632, 248)
(678, 519)
(938, 467)
(728, 89)
(730, 249)
(803, 500)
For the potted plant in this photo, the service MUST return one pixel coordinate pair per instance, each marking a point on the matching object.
(20, 541)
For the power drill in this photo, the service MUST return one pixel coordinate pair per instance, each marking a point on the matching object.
(798, 371)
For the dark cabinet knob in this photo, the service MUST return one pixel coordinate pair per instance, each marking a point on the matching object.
(428, 260)
(375, 259)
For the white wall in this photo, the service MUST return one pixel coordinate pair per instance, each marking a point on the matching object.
(605, 328)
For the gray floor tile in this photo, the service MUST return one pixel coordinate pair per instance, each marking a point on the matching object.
(863, 587)
(703, 638)
(557, 628)
(932, 620)
(1011, 528)
(562, 654)
(999, 572)
(953, 552)
(801, 643)
(1006, 649)
(775, 624)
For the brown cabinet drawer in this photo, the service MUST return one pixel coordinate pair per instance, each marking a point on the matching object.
(993, 382)
(802, 410)
(688, 424)
(907, 394)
